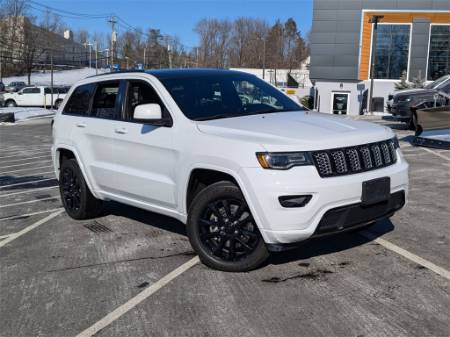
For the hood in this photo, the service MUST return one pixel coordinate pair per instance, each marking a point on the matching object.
(298, 130)
(408, 92)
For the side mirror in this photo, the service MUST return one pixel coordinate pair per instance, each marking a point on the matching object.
(147, 112)
(20, 93)
(151, 114)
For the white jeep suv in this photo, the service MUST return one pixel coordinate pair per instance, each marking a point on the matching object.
(245, 167)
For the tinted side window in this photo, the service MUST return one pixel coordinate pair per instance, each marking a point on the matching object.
(139, 93)
(106, 101)
(79, 100)
(31, 91)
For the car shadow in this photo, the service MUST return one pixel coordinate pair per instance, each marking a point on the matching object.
(9, 183)
(331, 244)
(409, 139)
(307, 249)
(146, 217)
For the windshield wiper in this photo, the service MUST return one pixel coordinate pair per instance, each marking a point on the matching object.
(217, 116)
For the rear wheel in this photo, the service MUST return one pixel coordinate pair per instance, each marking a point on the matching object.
(76, 197)
(222, 230)
(10, 104)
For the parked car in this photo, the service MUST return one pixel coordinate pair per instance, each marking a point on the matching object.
(247, 176)
(400, 103)
(15, 86)
(39, 96)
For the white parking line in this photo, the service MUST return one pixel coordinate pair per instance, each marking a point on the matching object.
(31, 214)
(435, 153)
(32, 182)
(14, 236)
(406, 254)
(29, 202)
(26, 152)
(31, 163)
(23, 159)
(38, 173)
(5, 236)
(127, 306)
(26, 169)
(28, 191)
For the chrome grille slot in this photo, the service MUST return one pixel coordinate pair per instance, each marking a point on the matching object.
(355, 159)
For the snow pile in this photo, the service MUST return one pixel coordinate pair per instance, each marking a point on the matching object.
(63, 77)
(21, 114)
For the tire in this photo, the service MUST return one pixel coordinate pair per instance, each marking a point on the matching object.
(222, 230)
(76, 197)
(412, 123)
(10, 104)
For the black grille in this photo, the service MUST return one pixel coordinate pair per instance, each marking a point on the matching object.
(355, 159)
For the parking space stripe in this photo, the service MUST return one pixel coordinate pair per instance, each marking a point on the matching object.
(32, 182)
(30, 163)
(5, 236)
(28, 191)
(26, 153)
(435, 153)
(124, 308)
(23, 159)
(14, 236)
(13, 217)
(26, 169)
(406, 254)
(29, 202)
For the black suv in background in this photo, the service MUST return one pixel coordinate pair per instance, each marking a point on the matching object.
(434, 94)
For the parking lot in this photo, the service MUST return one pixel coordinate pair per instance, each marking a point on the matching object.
(133, 273)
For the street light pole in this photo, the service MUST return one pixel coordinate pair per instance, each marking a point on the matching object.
(374, 20)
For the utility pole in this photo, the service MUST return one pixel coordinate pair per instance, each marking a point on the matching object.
(170, 55)
(264, 58)
(96, 58)
(374, 20)
(51, 79)
(113, 38)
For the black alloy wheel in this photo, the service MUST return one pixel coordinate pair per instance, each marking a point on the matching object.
(71, 189)
(222, 230)
(228, 230)
(76, 197)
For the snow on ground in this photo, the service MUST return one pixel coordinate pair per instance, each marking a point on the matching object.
(21, 114)
(62, 77)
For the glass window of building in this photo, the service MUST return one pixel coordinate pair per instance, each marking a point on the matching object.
(392, 51)
(439, 55)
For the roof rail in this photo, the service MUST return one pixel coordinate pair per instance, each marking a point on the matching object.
(118, 72)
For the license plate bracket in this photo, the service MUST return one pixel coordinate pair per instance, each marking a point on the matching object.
(376, 190)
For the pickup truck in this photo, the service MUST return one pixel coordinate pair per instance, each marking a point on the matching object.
(35, 96)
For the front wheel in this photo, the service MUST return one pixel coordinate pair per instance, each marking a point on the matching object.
(222, 230)
(76, 197)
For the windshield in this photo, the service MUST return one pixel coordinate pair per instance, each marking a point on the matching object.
(436, 84)
(226, 95)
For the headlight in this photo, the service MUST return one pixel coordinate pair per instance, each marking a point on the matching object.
(283, 160)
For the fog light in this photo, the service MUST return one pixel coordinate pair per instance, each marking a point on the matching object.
(291, 201)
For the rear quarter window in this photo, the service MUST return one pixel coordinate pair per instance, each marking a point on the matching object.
(80, 99)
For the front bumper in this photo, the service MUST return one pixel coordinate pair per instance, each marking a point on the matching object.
(280, 225)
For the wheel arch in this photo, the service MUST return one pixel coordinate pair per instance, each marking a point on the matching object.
(65, 151)
(224, 174)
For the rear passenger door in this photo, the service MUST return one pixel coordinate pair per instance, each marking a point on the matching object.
(145, 155)
(30, 97)
(94, 111)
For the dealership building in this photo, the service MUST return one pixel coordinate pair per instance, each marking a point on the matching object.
(412, 39)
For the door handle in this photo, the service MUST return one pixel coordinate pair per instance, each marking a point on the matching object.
(81, 125)
(121, 131)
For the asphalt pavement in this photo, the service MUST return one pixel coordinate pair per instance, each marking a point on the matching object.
(133, 273)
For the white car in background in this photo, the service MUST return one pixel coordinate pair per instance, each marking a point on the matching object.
(34, 96)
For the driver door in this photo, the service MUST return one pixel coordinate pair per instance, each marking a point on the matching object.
(145, 154)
